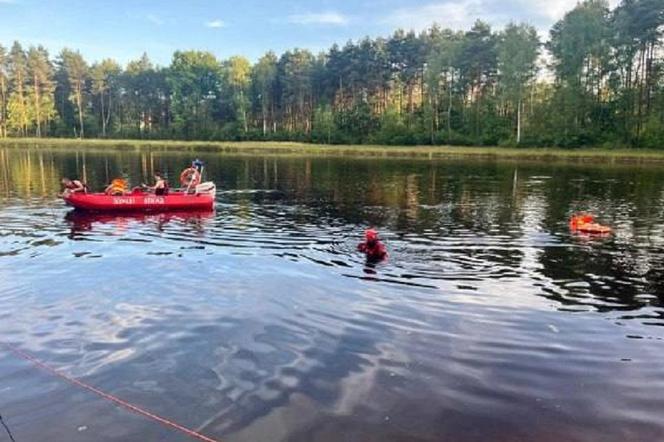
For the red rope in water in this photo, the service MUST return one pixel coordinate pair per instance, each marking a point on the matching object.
(109, 397)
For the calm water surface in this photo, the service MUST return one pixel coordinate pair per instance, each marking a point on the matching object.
(260, 322)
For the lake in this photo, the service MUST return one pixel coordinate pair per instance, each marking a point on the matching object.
(259, 321)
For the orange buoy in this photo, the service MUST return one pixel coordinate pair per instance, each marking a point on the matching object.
(585, 223)
(190, 177)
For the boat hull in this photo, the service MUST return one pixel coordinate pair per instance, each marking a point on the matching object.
(140, 202)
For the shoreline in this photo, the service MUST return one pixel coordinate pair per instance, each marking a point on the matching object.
(381, 151)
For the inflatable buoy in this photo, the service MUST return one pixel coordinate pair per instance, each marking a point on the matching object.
(190, 177)
(585, 223)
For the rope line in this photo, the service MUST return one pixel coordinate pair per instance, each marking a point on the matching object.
(9, 433)
(109, 397)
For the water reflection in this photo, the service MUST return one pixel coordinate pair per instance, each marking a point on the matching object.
(264, 319)
(462, 220)
(81, 221)
(487, 220)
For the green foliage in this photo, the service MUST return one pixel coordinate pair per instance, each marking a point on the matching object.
(40, 104)
(236, 76)
(194, 78)
(263, 83)
(355, 125)
(76, 70)
(105, 83)
(392, 129)
(323, 126)
(518, 49)
(604, 86)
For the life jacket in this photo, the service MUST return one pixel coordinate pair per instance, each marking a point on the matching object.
(586, 223)
(118, 187)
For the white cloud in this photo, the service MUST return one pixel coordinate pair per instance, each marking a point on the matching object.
(154, 19)
(461, 14)
(553, 10)
(452, 14)
(215, 24)
(318, 18)
(549, 10)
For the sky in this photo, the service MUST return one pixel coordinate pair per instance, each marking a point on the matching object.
(124, 29)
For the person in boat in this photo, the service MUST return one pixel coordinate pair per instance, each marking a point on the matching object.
(372, 247)
(118, 187)
(73, 186)
(160, 184)
(191, 176)
(198, 165)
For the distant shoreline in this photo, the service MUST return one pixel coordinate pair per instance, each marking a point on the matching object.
(603, 155)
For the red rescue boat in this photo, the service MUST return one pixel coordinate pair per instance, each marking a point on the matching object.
(200, 198)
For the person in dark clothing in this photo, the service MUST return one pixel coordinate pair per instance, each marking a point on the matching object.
(372, 247)
(160, 184)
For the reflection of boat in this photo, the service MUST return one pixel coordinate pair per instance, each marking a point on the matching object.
(84, 220)
(138, 201)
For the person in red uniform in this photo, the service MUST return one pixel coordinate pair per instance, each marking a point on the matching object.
(372, 247)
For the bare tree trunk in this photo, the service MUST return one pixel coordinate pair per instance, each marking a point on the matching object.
(108, 111)
(103, 115)
(518, 122)
(3, 133)
(24, 116)
(449, 109)
(37, 108)
(641, 89)
(79, 104)
(264, 119)
(532, 100)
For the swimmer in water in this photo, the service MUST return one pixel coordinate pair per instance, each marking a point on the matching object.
(372, 247)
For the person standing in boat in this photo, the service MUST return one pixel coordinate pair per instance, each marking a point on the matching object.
(160, 184)
(73, 186)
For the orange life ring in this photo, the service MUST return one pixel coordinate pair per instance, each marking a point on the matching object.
(190, 177)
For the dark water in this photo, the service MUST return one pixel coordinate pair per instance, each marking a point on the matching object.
(259, 322)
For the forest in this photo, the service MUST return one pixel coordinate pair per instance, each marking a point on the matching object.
(597, 80)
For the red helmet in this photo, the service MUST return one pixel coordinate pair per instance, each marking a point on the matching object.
(370, 235)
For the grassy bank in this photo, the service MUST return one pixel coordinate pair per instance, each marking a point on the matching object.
(293, 148)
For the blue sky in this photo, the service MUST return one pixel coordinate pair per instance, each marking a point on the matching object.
(124, 29)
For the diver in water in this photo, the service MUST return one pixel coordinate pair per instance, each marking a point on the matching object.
(372, 247)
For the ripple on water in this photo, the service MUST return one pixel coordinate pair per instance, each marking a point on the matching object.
(267, 323)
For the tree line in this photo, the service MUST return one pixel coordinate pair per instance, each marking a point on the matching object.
(597, 81)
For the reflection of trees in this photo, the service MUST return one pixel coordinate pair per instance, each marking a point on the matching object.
(412, 198)
(5, 183)
(27, 173)
(470, 202)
